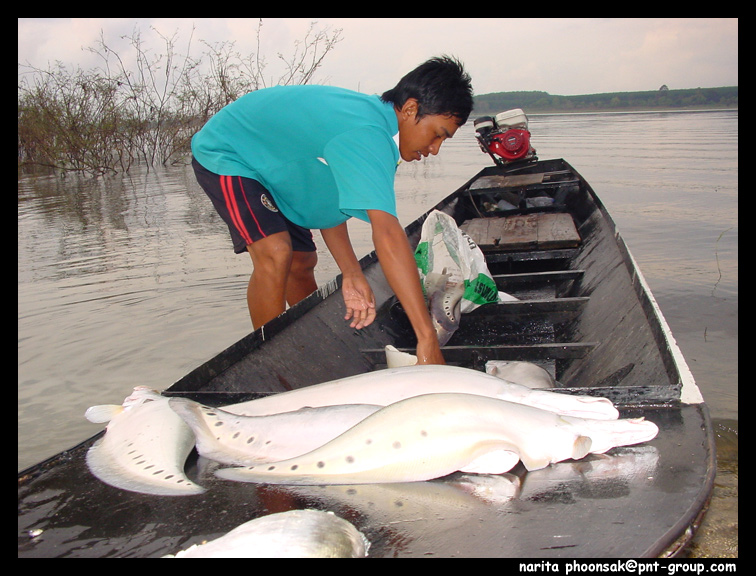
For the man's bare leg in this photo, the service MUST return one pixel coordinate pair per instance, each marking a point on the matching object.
(301, 282)
(266, 292)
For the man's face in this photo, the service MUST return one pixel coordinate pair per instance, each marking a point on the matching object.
(419, 139)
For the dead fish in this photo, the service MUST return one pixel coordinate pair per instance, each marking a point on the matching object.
(146, 443)
(383, 387)
(144, 448)
(432, 435)
(525, 373)
(292, 534)
(444, 304)
(239, 440)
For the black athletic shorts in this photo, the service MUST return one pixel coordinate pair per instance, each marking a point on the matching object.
(249, 210)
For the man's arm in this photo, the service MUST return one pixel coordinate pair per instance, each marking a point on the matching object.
(400, 269)
(358, 296)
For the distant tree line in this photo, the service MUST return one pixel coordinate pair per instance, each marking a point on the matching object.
(725, 97)
(141, 107)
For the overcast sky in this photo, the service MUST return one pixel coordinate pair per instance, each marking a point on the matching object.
(560, 56)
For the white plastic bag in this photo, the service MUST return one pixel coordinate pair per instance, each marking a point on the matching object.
(445, 250)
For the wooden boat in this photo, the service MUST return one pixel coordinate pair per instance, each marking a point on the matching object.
(584, 312)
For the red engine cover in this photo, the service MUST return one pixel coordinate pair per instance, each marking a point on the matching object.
(510, 145)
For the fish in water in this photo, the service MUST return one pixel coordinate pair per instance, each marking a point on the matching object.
(239, 440)
(144, 448)
(387, 386)
(292, 534)
(525, 373)
(432, 435)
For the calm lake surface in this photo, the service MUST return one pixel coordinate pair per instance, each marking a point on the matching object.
(133, 281)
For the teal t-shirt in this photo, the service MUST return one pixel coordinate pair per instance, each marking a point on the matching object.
(326, 154)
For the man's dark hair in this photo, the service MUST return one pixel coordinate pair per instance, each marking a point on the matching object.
(441, 87)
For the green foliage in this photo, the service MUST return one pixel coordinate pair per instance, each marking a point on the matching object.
(725, 97)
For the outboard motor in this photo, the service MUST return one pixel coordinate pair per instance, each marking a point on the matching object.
(505, 137)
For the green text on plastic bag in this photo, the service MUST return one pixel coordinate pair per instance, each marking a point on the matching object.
(481, 290)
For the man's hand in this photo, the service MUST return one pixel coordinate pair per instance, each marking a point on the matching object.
(358, 299)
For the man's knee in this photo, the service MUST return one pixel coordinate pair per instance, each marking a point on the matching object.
(273, 254)
(304, 262)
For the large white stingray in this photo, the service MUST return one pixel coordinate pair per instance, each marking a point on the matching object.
(515, 371)
(146, 442)
(292, 534)
(144, 448)
(527, 373)
(239, 440)
(383, 387)
(432, 435)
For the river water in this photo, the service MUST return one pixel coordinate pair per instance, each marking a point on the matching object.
(132, 280)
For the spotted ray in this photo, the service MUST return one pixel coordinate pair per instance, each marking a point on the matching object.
(383, 387)
(444, 304)
(235, 439)
(432, 435)
(525, 373)
(144, 448)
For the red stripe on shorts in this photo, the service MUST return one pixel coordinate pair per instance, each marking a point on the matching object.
(233, 209)
(257, 223)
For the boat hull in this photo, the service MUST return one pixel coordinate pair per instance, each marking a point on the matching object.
(583, 312)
